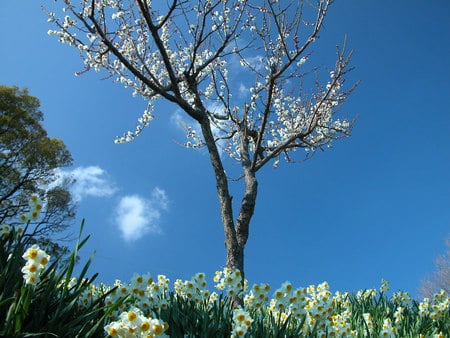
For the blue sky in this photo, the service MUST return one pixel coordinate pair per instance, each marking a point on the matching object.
(375, 206)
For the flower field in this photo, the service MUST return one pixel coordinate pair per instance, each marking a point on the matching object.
(39, 295)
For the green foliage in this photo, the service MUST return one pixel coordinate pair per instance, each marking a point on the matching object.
(27, 154)
(368, 313)
(187, 318)
(38, 299)
(409, 317)
(52, 307)
(61, 306)
(272, 326)
(28, 159)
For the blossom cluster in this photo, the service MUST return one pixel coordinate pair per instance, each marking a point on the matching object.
(436, 308)
(241, 322)
(5, 230)
(133, 323)
(317, 305)
(90, 294)
(230, 281)
(149, 296)
(36, 261)
(143, 291)
(35, 206)
(188, 61)
(388, 330)
(257, 297)
(315, 308)
(194, 289)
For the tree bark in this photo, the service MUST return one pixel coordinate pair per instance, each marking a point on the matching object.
(236, 235)
(249, 199)
(226, 209)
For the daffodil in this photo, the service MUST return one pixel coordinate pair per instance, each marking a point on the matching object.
(36, 261)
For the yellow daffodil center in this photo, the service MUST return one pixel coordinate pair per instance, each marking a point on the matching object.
(131, 316)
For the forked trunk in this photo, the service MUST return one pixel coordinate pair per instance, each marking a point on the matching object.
(236, 235)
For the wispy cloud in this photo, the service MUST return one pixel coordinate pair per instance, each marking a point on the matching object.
(137, 216)
(160, 199)
(179, 120)
(88, 181)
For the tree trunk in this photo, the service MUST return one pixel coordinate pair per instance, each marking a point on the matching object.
(248, 200)
(235, 235)
(234, 256)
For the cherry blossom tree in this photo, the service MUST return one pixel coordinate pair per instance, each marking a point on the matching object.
(236, 68)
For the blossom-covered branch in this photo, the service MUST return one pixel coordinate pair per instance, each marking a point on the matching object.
(238, 68)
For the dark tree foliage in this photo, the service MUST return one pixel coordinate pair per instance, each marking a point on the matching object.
(28, 160)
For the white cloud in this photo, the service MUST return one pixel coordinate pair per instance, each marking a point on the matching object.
(87, 181)
(91, 181)
(134, 215)
(137, 216)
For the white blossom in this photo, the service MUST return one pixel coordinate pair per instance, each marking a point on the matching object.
(288, 117)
